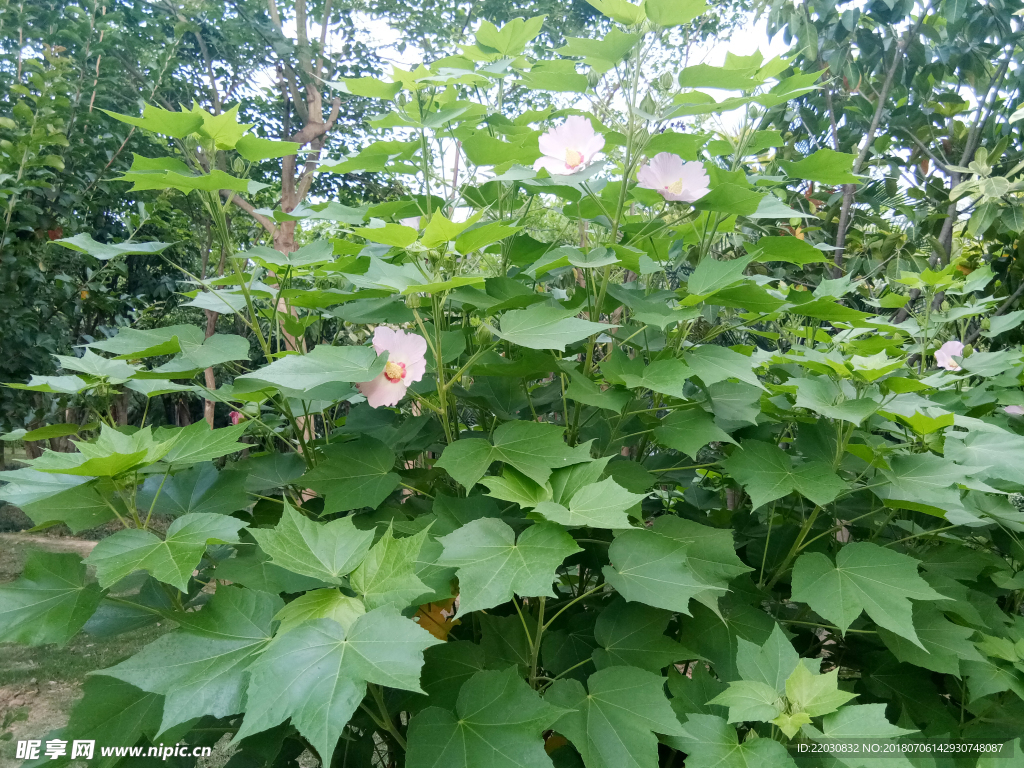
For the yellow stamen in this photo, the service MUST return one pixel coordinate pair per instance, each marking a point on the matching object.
(394, 372)
(676, 187)
(573, 158)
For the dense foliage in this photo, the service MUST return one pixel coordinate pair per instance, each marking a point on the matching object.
(605, 440)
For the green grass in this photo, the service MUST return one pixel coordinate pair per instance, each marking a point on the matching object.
(75, 660)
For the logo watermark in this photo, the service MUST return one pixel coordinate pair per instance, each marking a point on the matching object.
(85, 749)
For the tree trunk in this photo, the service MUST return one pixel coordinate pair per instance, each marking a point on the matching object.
(211, 380)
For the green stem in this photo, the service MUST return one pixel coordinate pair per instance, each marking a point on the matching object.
(535, 650)
(387, 723)
(795, 549)
(922, 533)
(827, 626)
(152, 506)
(566, 672)
(573, 602)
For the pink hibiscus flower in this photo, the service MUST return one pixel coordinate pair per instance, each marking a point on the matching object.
(235, 417)
(944, 355)
(570, 147)
(406, 364)
(668, 175)
(1014, 410)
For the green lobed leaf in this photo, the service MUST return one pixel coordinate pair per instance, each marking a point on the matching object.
(535, 449)
(204, 672)
(613, 721)
(633, 635)
(387, 574)
(170, 560)
(600, 505)
(49, 603)
(493, 565)
(317, 674)
(767, 473)
(653, 569)
(323, 365)
(865, 577)
(710, 742)
(546, 327)
(499, 722)
(353, 475)
(325, 551)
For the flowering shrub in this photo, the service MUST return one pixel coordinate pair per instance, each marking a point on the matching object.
(629, 497)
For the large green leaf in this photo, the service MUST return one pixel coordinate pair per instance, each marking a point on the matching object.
(533, 448)
(252, 568)
(83, 243)
(255, 149)
(176, 125)
(998, 455)
(861, 721)
(750, 700)
(24, 486)
(944, 643)
(600, 505)
(614, 720)
(813, 694)
(713, 364)
(217, 349)
(603, 54)
(80, 508)
(49, 603)
(545, 327)
(493, 566)
(170, 560)
(712, 275)
(666, 377)
(689, 431)
(653, 569)
(323, 365)
(829, 399)
(711, 553)
(317, 674)
(499, 724)
(710, 742)
(865, 577)
(202, 668)
(325, 551)
(767, 473)
(633, 635)
(198, 489)
(353, 475)
(511, 39)
(387, 575)
(771, 663)
(320, 604)
(130, 343)
(198, 442)
(671, 13)
(791, 250)
(825, 166)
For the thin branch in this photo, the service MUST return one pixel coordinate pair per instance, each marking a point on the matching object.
(1002, 308)
(267, 223)
(869, 137)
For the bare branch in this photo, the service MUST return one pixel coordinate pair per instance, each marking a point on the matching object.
(266, 222)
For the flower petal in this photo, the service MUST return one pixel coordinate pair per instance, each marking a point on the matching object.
(382, 392)
(553, 165)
